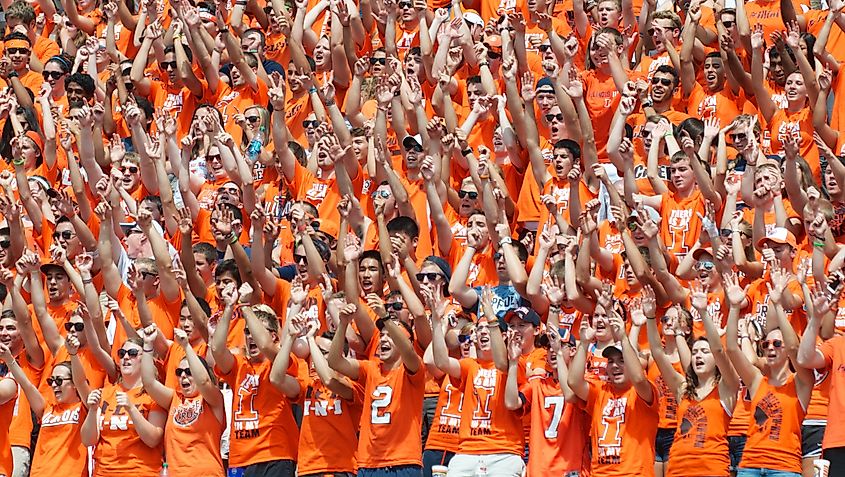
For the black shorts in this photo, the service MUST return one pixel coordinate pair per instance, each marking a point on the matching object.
(273, 468)
(811, 441)
(663, 444)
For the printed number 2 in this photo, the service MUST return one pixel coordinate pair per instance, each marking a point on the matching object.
(385, 395)
(558, 404)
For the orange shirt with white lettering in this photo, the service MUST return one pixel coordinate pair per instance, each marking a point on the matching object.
(446, 424)
(602, 98)
(59, 443)
(701, 441)
(192, 437)
(392, 412)
(487, 426)
(774, 430)
(558, 437)
(622, 430)
(833, 351)
(679, 224)
(784, 124)
(329, 435)
(120, 450)
(262, 427)
(723, 105)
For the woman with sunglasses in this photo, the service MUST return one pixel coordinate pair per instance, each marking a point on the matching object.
(704, 391)
(60, 410)
(124, 423)
(779, 396)
(54, 73)
(196, 414)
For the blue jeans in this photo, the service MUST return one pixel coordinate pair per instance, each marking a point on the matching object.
(394, 471)
(765, 473)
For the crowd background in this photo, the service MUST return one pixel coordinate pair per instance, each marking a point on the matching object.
(403, 238)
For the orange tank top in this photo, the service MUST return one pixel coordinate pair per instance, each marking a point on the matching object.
(192, 437)
(701, 441)
(668, 401)
(774, 430)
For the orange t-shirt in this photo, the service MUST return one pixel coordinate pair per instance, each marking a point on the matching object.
(622, 430)
(834, 355)
(6, 412)
(446, 424)
(392, 411)
(487, 426)
(165, 315)
(262, 427)
(558, 436)
(774, 431)
(784, 124)
(701, 441)
(679, 224)
(20, 429)
(723, 105)
(329, 434)
(120, 450)
(59, 443)
(192, 437)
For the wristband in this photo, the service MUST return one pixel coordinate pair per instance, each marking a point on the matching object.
(380, 323)
(147, 350)
(18, 161)
(650, 317)
(483, 63)
(668, 134)
(12, 74)
(233, 239)
(466, 152)
(87, 282)
(818, 244)
(330, 102)
(312, 90)
(505, 241)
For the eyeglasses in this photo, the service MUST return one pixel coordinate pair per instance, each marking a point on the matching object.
(310, 123)
(705, 265)
(180, 371)
(773, 343)
(378, 61)
(415, 148)
(130, 169)
(5, 244)
(133, 353)
(545, 48)
(18, 51)
(52, 74)
(431, 276)
(396, 305)
(78, 327)
(729, 24)
(554, 117)
(168, 65)
(65, 234)
(663, 81)
(381, 193)
(464, 338)
(300, 259)
(57, 380)
(253, 119)
(465, 193)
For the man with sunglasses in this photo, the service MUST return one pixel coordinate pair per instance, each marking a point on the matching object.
(20, 17)
(16, 56)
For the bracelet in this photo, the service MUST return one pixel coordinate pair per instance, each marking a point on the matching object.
(818, 244)
(493, 324)
(650, 317)
(668, 134)
(12, 74)
(72, 354)
(87, 282)
(233, 239)
(483, 63)
(330, 102)
(148, 350)
(505, 241)
(312, 90)
(18, 161)
(466, 152)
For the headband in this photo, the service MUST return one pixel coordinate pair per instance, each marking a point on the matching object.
(61, 60)
(17, 43)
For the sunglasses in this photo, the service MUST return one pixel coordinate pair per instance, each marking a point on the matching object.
(126, 72)
(300, 259)
(18, 51)
(554, 117)
(738, 137)
(5, 244)
(149, 274)
(78, 327)
(66, 234)
(545, 48)
(396, 305)
(415, 148)
(431, 276)
(378, 61)
(663, 81)
(130, 169)
(168, 65)
(774, 343)
(463, 193)
(464, 338)
(381, 193)
(493, 55)
(406, 5)
(182, 371)
(705, 266)
(498, 255)
(58, 380)
(310, 123)
(729, 24)
(253, 119)
(52, 74)
(133, 353)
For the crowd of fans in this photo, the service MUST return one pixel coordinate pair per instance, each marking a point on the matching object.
(394, 238)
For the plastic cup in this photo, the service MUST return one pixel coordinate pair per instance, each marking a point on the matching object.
(821, 468)
(439, 470)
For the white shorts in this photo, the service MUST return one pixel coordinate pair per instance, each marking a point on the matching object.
(498, 465)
